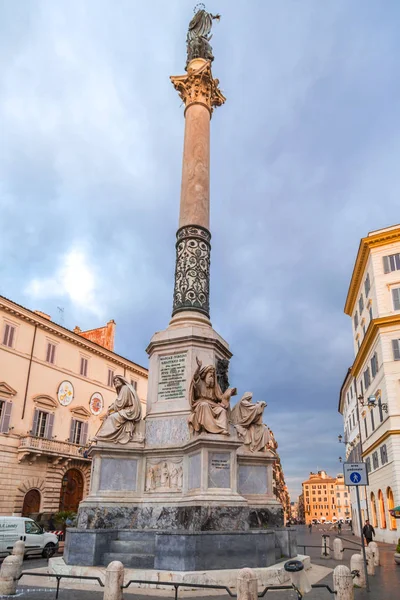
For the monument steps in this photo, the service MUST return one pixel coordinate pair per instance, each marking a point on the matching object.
(131, 560)
(132, 546)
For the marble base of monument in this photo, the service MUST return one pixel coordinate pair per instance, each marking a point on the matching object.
(179, 551)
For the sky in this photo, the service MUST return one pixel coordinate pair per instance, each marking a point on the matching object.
(304, 162)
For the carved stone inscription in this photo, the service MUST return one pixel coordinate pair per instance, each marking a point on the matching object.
(219, 470)
(172, 377)
(164, 475)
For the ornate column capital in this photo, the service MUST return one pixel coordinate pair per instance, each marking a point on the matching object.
(198, 85)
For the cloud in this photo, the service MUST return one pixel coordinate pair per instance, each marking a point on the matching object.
(74, 279)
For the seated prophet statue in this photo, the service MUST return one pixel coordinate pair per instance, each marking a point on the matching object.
(210, 406)
(123, 414)
(247, 419)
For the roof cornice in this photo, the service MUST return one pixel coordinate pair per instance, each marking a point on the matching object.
(28, 315)
(381, 238)
(372, 331)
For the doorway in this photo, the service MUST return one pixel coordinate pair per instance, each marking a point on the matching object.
(71, 490)
(31, 503)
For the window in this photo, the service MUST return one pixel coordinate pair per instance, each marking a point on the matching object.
(364, 328)
(396, 298)
(373, 510)
(8, 335)
(42, 424)
(84, 365)
(391, 263)
(354, 420)
(361, 304)
(32, 527)
(367, 378)
(375, 460)
(345, 494)
(370, 313)
(110, 378)
(356, 320)
(134, 384)
(382, 516)
(358, 343)
(367, 285)
(51, 352)
(78, 432)
(396, 349)
(368, 464)
(366, 428)
(372, 420)
(384, 456)
(361, 387)
(374, 364)
(390, 501)
(5, 415)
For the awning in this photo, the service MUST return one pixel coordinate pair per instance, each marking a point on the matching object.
(395, 512)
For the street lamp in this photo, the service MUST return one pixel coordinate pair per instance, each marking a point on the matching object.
(340, 459)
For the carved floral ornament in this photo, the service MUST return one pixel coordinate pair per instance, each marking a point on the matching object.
(198, 86)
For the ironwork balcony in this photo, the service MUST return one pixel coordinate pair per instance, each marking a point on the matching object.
(32, 447)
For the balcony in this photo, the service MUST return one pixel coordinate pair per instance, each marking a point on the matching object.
(31, 448)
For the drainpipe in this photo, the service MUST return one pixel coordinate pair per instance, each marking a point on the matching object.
(29, 372)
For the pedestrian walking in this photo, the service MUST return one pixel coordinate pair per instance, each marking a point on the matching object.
(310, 527)
(339, 528)
(368, 532)
(51, 526)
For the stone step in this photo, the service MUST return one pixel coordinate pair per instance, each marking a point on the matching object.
(135, 535)
(132, 561)
(132, 546)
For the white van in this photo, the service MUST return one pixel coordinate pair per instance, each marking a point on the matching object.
(37, 541)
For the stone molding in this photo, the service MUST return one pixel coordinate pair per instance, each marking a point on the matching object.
(192, 270)
(198, 86)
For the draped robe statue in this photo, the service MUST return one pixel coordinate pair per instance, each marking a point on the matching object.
(210, 407)
(123, 414)
(247, 418)
(199, 36)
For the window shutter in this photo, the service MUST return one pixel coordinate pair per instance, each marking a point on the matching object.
(49, 426)
(396, 349)
(5, 337)
(53, 352)
(6, 416)
(35, 421)
(11, 336)
(71, 430)
(396, 298)
(48, 353)
(386, 266)
(84, 434)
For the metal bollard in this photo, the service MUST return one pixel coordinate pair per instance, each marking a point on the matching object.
(370, 561)
(337, 549)
(247, 585)
(114, 581)
(375, 551)
(325, 550)
(343, 583)
(357, 567)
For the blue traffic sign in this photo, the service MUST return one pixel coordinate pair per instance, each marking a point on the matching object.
(355, 473)
(355, 477)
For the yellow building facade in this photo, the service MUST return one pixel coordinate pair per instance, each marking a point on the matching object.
(325, 498)
(55, 388)
(370, 395)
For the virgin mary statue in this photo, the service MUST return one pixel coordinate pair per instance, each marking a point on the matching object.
(123, 414)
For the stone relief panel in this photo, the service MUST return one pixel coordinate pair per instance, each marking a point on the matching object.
(164, 475)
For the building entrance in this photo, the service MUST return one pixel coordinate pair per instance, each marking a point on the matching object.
(31, 503)
(71, 490)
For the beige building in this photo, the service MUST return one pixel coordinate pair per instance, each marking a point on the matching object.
(325, 498)
(55, 388)
(371, 390)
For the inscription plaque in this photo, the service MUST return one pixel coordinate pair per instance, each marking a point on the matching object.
(219, 470)
(172, 377)
(118, 474)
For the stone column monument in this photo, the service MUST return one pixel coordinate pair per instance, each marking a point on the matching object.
(192, 465)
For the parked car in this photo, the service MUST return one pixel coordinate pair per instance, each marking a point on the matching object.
(37, 541)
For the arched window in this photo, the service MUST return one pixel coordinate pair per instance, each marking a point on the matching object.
(390, 501)
(382, 516)
(373, 511)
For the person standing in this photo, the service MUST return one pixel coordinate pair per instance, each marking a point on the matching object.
(310, 527)
(368, 532)
(339, 528)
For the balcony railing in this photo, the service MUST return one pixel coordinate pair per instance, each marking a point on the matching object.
(32, 447)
